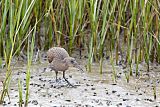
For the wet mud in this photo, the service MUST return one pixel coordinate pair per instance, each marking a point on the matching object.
(91, 89)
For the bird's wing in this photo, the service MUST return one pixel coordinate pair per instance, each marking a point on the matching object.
(56, 52)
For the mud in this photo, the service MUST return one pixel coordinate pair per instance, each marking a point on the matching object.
(92, 89)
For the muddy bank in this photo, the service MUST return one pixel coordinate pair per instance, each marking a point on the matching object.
(92, 89)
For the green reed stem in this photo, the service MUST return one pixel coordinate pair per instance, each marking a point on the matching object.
(20, 93)
(30, 56)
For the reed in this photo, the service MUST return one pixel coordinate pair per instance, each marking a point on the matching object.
(9, 42)
(103, 33)
(73, 10)
(30, 56)
(90, 56)
(20, 93)
(95, 25)
(93, 10)
(127, 76)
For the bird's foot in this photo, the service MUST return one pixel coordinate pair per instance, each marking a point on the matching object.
(72, 86)
(58, 80)
(69, 84)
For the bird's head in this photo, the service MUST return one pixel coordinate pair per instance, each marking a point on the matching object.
(70, 61)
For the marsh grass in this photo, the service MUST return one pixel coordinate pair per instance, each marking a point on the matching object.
(20, 92)
(129, 27)
(127, 76)
(10, 45)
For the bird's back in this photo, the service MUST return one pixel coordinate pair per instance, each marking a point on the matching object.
(57, 53)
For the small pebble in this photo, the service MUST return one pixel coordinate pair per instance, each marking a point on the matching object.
(149, 100)
(35, 102)
(85, 89)
(49, 95)
(107, 93)
(125, 99)
(94, 94)
(108, 102)
(40, 79)
(92, 88)
(87, 85)
(131, 94)
(51, 86)
(118, 95)
(68, 100)
(119, 104)
(114, 91)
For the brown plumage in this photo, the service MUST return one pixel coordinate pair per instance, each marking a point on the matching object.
(60, 60)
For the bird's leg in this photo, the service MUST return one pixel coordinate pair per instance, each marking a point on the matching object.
(56, 76)
(67, 80)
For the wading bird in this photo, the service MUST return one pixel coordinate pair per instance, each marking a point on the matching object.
(59, 60)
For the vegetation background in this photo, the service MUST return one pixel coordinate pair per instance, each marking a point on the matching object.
(128, 28)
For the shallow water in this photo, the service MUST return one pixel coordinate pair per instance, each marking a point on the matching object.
(92, 89)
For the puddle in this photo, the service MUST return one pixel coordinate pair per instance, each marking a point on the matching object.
(92, 89)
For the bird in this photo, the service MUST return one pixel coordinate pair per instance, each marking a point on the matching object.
(59, 60)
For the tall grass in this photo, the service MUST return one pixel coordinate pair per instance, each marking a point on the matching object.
(20, 93)
(30, 56)
(128, 27)
(9, 42)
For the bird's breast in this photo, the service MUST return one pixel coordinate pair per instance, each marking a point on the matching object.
(58, 65)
